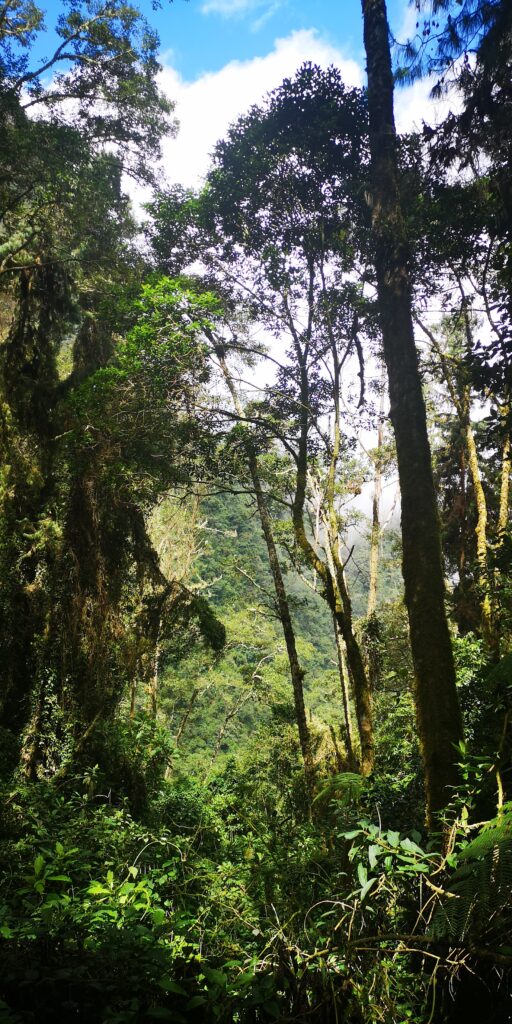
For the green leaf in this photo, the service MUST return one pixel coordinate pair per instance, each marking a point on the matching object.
(246, 978)
(169, 985)
(362, 874)
(411, 847)
(195, 1001)
(98, 889)
(366, 888)
(218, 977)
(374, 852)
(38, 864)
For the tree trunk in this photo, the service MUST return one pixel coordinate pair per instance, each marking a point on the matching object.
(283, 608)
(297, 673)
(487, 611)
(153, 683)
(462, 404)
(345, 680)
(345, 696)
(375, 534)
(188, 711)
(505, 484)
(331, 572)
(342, 611)
(437, 707)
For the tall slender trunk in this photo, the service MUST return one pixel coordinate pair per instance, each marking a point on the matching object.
(462, 404)
(487, 609)
(153, 684)
(503, 510)
(331, 572)
(345, 695)
(283, 607)
(342, 612)
(187, 713)
(505, 482)
(437, 707)
(231, 713)
(375, 534)
(297, 672)
(345, 681)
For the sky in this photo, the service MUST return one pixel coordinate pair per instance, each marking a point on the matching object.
(221, 56)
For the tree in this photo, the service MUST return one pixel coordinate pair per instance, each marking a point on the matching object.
(438, 712)
(456, 266)
(280, 198)
(467, 47)
(282, 602)
(68, 275)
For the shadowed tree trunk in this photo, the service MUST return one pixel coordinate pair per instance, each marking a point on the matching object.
(345, 696)
(505, 485)
(283, 608)
(461, 400)
(437, 708)
(375, 535)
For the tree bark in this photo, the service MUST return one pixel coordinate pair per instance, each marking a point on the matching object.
(283, 607)
(437, 707)
(341, 608)
(297, 673)
(345, 695)
(375, 534)
(505, 483)
(462, 404)
(487, 610)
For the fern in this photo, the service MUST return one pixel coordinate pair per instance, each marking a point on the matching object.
(477, 908)
(347, 787)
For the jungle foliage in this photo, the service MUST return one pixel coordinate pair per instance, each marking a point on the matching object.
(248, 774)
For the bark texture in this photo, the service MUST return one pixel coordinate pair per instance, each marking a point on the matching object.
(375, 536)
(283, 607)
(438, 713)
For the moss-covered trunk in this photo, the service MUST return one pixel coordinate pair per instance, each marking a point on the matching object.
(438, 712)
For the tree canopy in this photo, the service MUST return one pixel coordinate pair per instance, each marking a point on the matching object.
(255, 583)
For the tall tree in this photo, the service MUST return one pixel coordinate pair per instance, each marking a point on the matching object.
(438, 712)
(281, 228)
(284, 199)
(282, 602)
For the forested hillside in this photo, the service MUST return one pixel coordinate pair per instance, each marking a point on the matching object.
(255, 542)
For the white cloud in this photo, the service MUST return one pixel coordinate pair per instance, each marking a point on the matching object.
(407, 27)
(207, 106)
(413, 105)
(267, 14)
(263, 9)
(230, 8)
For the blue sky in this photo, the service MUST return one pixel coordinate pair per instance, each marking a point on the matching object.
(221, 56)
(203, 35)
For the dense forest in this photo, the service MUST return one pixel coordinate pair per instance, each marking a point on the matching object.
(255, 550)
